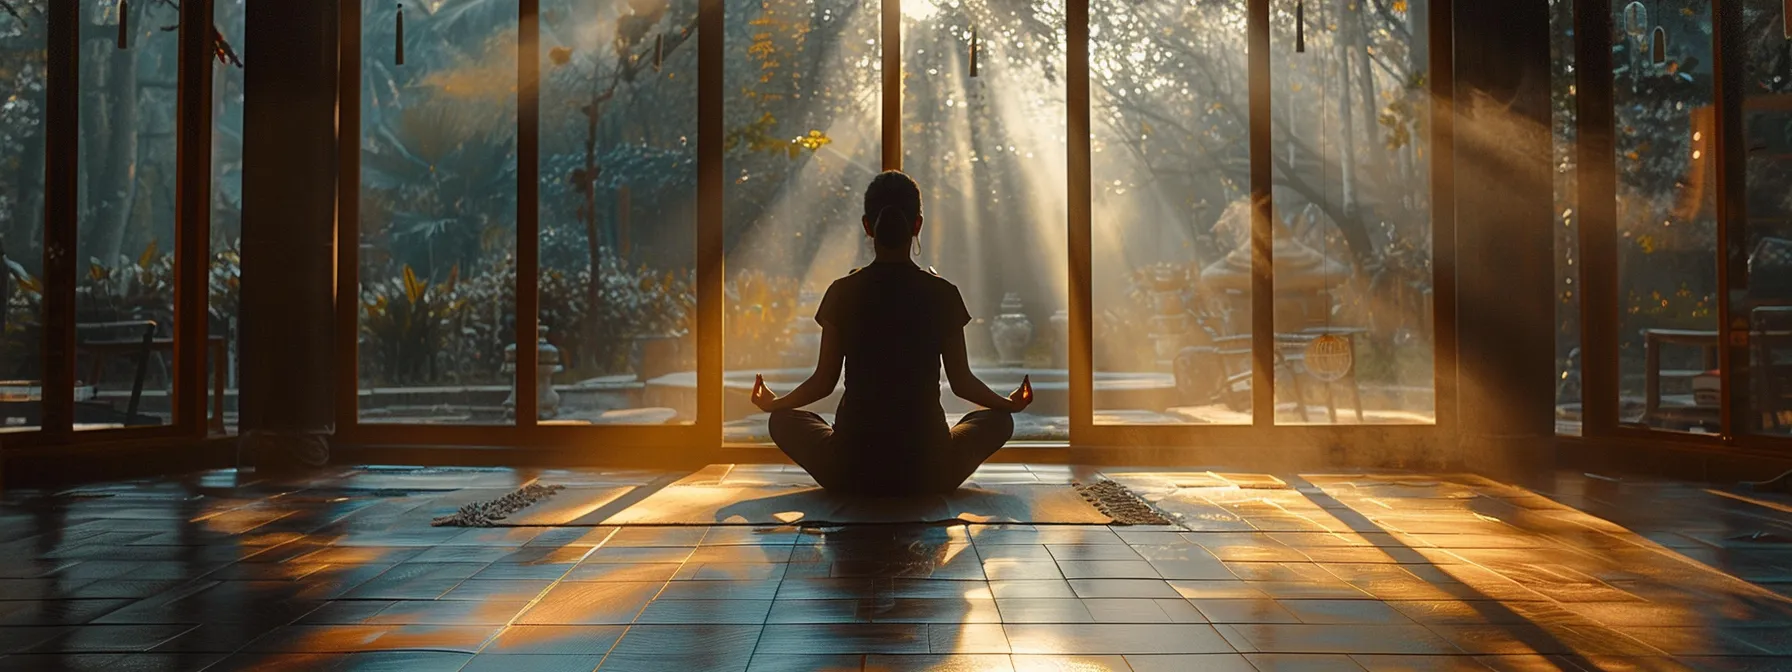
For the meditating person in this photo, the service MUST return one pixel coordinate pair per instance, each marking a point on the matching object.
(891, 324)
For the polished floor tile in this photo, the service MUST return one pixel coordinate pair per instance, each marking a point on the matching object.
(1380, 572)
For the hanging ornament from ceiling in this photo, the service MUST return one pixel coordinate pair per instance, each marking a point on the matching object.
(1300, 27)
(974, 50)
(398, 36)
(1658, 40)
(1636, 21)
(124, 24)
(659, 51)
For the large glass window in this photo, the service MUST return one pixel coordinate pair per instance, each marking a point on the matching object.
(801, 113)
(1667, 228)
(22, 91)
(1171, 218)
(1352, 231)
(618, 195)
(1767, 132)
(988, 149)
(124, 297)
(438, 212)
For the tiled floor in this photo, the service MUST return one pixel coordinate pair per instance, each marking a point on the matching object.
(220, 571)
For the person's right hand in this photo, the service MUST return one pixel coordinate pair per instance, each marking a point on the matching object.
(1022, 396)
(763, 396)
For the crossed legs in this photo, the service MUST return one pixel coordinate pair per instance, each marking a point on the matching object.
(809, 441)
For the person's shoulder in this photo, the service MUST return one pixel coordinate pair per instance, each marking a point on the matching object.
(934, 278)
(851, 276)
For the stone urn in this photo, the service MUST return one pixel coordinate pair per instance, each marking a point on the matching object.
(547, 363)
(1011, 331)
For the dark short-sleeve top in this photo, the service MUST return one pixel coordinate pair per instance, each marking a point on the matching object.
(895, 320)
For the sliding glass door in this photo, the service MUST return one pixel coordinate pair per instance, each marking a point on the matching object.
(669, 187)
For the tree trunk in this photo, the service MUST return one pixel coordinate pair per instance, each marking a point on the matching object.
(1374, 145)
(1343, 43)
(116, 186)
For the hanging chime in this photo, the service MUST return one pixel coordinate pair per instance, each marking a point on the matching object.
(398, 38)
(124, 24)
(974, 50)
(1786, 17)
(1658, 39)
(1636, 17)
(1300, 27)
(659, 51)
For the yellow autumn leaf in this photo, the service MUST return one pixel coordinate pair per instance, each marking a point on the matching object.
(413, 288)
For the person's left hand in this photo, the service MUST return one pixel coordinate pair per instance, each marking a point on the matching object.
(763, 396)
(1022, 396)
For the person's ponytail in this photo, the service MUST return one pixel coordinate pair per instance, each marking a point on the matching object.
(893, 227)
(892, 204)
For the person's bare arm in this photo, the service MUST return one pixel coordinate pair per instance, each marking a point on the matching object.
(966, 385)
(820, 384)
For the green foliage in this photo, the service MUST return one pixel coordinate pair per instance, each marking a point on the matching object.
(407, 324)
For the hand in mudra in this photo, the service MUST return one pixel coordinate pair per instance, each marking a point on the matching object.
(1022, 396)
(763, 396)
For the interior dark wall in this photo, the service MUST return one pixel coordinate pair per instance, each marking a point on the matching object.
(1505, 261)
(289, 204)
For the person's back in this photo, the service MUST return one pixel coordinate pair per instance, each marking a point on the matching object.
(895, 320)
(891, 326)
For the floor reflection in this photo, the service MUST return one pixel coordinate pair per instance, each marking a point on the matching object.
(341, 571)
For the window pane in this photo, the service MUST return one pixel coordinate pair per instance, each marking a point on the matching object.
(1767, 122)
(22, 93)
(619, 193)
(1352, 192)
(1171, 188)
(988, 152)
(802, 110)
(438, 212)
(1567, 241)
(1667, 227)
(227, 211)
(124, 301)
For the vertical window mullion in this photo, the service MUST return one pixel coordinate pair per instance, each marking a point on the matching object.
(1443, 212)
(1080, 246)
(193, 214)
(892, 84)
(348, 214)
(528, 208)
(710, 241)
(1596, 201)
(61, 173)
(1263, 395)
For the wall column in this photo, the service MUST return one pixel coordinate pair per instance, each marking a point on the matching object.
(1505, 264)
(289, 220)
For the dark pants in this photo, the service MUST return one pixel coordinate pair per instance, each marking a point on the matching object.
(813, 445)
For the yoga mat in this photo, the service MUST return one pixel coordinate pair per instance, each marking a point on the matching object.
(716, 504)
